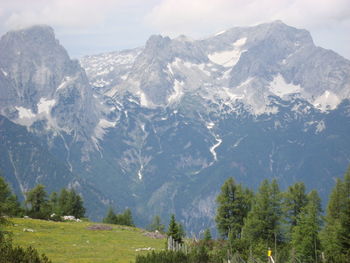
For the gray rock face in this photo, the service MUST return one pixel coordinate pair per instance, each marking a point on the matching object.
(40, 82)
(244, 65)
(175, 118)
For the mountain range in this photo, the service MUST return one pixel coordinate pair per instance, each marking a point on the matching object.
(159, 128)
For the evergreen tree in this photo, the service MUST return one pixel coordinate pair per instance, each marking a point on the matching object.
(305, 235)
(343, 233)
(54, 203)
(70, 203)
(63, 202)
(336, 233)
(262, 226)
(37, 200)
(173, 229)
(233, 206)
(55, 213)
(294, 201)
(156, 224)
(125, 218)
(9, 205)
(111, 217)
(75, 204)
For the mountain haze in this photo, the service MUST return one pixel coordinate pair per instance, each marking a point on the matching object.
(159, 128)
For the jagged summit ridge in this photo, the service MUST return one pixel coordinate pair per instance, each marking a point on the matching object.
(173, 119)
(242, 64)
(39, 82)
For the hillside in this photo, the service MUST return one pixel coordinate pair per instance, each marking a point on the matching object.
(75, 242)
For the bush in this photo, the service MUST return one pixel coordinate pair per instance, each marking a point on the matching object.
(11, 254)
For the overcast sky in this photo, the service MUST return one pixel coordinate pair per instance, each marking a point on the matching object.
(95, 26)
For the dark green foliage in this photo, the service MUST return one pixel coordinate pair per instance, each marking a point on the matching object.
(124, 218)
(8, 252)
(175, 230)
(13, 254)
(39, 206)
(76, 205)
(263, 222)
(70, 203)
(163, 257)
(9, 205)
(63, 202)
(305, 235)
(111, 217)
(336, 234)
(198, 254)
(233, 206)
(156, 225)
(294, 200)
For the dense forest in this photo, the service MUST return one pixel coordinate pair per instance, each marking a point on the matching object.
(285, 226)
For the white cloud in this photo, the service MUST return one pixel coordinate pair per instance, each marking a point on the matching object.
(62, 13)
(128, 23)
(176, 16)
(197, 18)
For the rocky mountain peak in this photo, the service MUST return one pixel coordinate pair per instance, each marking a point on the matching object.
(41, 83)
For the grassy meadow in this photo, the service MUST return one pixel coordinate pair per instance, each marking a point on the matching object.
(65, 242)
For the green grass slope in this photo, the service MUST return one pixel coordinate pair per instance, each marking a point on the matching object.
(74, 242)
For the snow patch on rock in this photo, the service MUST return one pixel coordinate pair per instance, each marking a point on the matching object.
(178, 92)
(321, 126)
(279, 87)
(327, 101)
(229, 58)
(102, 126)
(24, 113)
(45, 105)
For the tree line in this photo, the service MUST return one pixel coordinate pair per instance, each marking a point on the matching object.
(39, 205)
(291, 224)
(124, 218)
(9, 206)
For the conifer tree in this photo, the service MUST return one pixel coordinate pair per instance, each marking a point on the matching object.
(294, 201)
(37, 200)
(70, 203)
(54, 203)
(75, 203)
(63, 202)
(336, 233)
(343, 231)
(9, 205)
(262, 226)
(111, 217)
(233, 206)
(305, 235)
(173, 229)
(125, 218)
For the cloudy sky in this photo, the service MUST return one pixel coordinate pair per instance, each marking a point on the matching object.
(95, 26)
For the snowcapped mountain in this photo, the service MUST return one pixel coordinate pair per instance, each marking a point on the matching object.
(159, 128)
(239, 65)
